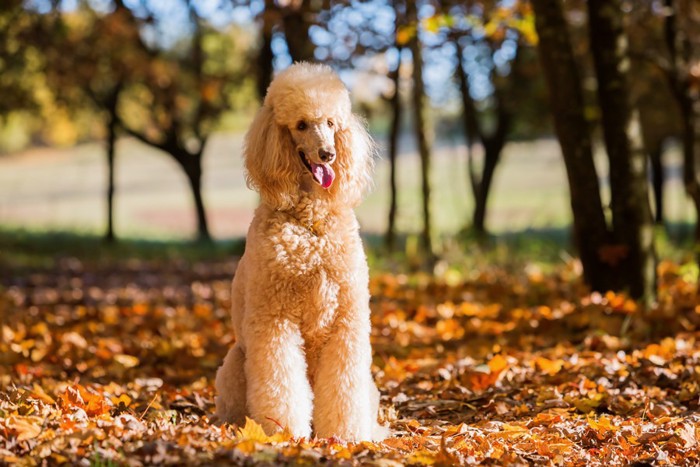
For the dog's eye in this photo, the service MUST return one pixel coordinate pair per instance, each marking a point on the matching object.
(330, 123)
(301, 126)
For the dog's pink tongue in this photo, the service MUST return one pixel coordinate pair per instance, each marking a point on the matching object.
(323, 174)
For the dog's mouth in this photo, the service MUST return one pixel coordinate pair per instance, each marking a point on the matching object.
(322, 174)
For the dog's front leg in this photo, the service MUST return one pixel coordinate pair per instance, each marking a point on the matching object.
(278, 392)
(346, 398)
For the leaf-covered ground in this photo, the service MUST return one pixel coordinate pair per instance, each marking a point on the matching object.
(112, 362)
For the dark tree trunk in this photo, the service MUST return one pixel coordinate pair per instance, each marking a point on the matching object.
(657, 181)
(297, 22)
(688, 97)
(192, 165)
(631, 214)
(572, 129)
(493, 145)
(265, 56)
(111, 143)
(393, 150)
(471, 128)
(112, 123)
(691, 160)
(421, 128)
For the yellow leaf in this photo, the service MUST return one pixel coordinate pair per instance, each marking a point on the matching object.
(432, 24)
(491, 27)
(39, 393)
(602, 425)
(498, 363)
(340, 452)
(252, 431)
(127, 361)
(24, 427)
(449, 329)
(589, 404)
(59, 459)
(422, 457)
(124, 398)
(281, 437)
(39, 353)
(549, 367)
(247, 447)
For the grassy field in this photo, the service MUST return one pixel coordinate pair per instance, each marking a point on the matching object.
(62, 189)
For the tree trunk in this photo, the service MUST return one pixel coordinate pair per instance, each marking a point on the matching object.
(631, 214)
(297, 21)
(191, 164)
(492, 155)
(572, 129)
(193, 170)
(691, 160)
(657, 181)
(112, 123)
(680, 49)
(493, 145)
(421, 127)
(265, 56)
(471, 128)
(393, 150)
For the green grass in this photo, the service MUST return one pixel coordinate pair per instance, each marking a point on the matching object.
(41, 249)
(545, 248)
(50, 190)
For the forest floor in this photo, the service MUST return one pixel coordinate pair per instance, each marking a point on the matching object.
(109, 359)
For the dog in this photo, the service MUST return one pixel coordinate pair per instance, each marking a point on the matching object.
(300, 295)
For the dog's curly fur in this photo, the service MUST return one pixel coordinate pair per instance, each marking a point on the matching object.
(300, 298)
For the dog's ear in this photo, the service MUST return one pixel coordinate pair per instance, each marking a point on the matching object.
(268, 152)
(355, 150)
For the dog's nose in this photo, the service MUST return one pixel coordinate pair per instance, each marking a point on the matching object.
(326, 156)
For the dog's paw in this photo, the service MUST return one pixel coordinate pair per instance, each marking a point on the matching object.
(380, 433)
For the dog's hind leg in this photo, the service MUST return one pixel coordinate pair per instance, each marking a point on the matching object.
(231, 388)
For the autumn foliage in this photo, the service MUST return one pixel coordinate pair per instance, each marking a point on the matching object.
(113, 362)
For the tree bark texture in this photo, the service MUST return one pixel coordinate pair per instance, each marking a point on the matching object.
(393, 151)
(572, 129)
(112, 123)
(192, 165)
(421, 127)
(297, 21)
(469, 121)
(657, 181)
(632, 225)
(688, 97)
(492, 143)
(691, 158)
(265, 56)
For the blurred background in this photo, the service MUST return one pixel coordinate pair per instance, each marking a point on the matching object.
(125, 118)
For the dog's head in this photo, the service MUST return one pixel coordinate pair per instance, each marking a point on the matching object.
(305, 138)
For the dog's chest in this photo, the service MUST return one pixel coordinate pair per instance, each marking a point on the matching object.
(315, 265)
(300, 252)
(317, 319)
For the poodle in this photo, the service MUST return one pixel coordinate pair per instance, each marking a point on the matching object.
(300, 298)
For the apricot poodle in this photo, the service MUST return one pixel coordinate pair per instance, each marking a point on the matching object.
(300, 298)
